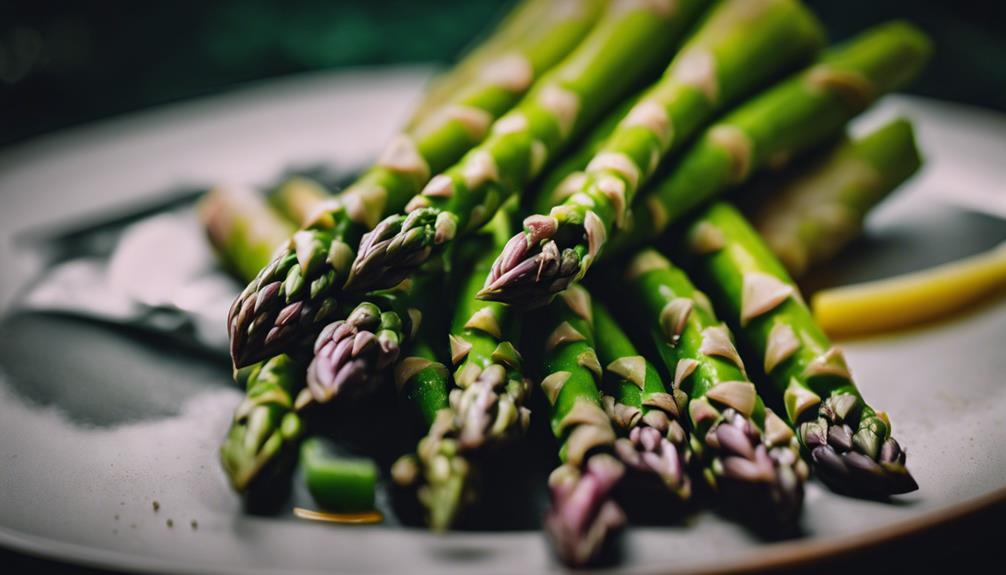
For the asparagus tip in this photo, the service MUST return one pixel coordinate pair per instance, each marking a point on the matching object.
(490, 410)
(763, 483)
(392, 251)
(584, 519)
(349, 357)
(442, 479)
(648, 451)
(866, 462)
(532, 280)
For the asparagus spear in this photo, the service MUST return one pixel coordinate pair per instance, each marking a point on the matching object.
(808, 217)
(223, 209)
(441, 476)
(291, 298)
(484, 412)
(437, 475)
(297, 199)
(584, 518)
(633, 40)
(261, 445)
(850, 443)
(788, 119)
(243, 230)
(745, 451)
(489, 405)
(741, 46)
(642, 408)
(525, 20)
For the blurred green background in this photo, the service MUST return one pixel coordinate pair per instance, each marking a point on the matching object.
(64, 63)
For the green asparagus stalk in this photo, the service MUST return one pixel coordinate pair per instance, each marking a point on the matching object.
(227, 212)
(632, 41)
(552, 182)
(441, 476)
(745, 452)
(297, 199)
(809, 216)
(486, 410)
(850, 443)
(787, 120)
(584, 519)
(742, 45)
(338, 483)
(261, 445)
(291, 298)
(526, 19)
(489, 403)
(643, 409)
(243, 230)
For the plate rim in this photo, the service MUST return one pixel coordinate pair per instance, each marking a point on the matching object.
(773, 556)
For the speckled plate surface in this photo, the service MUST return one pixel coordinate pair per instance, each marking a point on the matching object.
(97, 424)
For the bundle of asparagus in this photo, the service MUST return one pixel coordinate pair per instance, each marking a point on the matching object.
(850, 443)
(782, 122)
(631, 41)
(322, 323)
(746, 451)
(742, 45)
(290, 299)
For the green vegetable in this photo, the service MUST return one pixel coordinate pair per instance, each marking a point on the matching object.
(745, 452)
(261, 445)
(338, 484)
(741, 46)
(632, 41)
(785, 121)
(850, 443)
(643, 409)
(584, 518)
(807, 217)
(490, 404)
(243, 230)
(295, 295)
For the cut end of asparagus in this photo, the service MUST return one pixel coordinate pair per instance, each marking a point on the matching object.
(764, 481)
(531, 270)
(491, 410)
(393, 250)
(351, 355)
(864, 462)
(665, 455)
(584, 520)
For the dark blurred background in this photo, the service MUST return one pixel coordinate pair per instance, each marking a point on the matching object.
(67, 62)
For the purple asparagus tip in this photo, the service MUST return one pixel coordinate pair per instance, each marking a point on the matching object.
(865, 461)
(532, 268)
(283, 308)
(349, 357)
(766, 481)
(393, 250)
(649, 450)
(584, 519)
